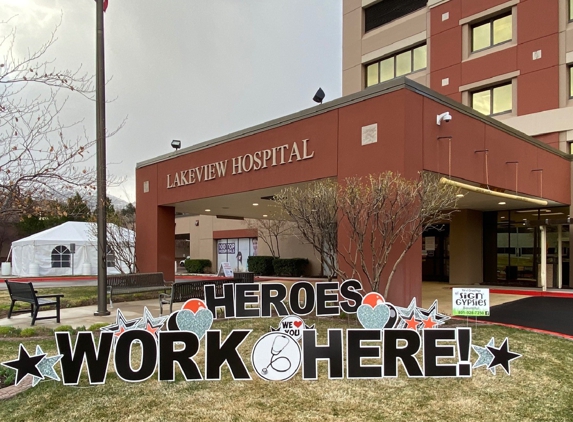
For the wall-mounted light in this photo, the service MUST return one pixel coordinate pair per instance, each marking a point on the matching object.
(196, 222)
(176, 144)
(207, 210)
(319, 96)
(255, 205)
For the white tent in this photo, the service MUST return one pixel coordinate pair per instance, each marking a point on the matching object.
(67, 249)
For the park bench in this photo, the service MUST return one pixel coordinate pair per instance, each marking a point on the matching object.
(24, 292)
(118, 284)
(182, 291)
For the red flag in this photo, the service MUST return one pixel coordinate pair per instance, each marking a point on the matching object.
(104, 4)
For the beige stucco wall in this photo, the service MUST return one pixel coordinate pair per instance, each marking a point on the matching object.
(466, 247)
(202, 244)
(359, 48)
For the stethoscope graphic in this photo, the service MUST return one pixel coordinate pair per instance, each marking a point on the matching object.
(278, 363)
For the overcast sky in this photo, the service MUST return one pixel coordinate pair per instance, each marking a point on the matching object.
(188, 69)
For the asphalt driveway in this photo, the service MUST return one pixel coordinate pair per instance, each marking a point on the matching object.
(543, 313)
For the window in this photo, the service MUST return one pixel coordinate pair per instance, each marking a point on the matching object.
(571, 80)
(389, 10)
(570, 10)
(492, 32)
(495, 100)
(400, 64)
(61, 257)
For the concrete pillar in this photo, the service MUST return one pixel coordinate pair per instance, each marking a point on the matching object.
(155, 241)
(466, 247)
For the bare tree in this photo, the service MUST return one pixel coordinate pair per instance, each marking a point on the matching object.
(37, 158)
(313, 209)
(378, 213)
(388, 210)
(120, 243)
(270, 230)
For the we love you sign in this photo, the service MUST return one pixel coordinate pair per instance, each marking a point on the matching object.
(413, 337)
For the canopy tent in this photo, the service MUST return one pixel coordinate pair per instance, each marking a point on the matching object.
(67, 249)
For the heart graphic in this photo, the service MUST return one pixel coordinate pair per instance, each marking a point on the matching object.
(373, 318)
(197, 323)
(297, 324)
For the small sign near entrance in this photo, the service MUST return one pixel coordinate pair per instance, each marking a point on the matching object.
(226, 269)
(470, 302)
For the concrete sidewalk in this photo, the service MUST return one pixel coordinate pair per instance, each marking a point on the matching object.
(84, 315)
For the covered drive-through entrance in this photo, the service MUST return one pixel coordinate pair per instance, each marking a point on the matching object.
(390, 126)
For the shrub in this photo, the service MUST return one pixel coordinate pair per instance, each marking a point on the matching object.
(10, 332)
(294, 267)
(197, 266)
(67, 328)
(7, 376)
(261, 265)
(28, 332)
(97, 326)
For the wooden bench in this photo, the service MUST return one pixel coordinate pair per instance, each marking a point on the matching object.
(134, 283)
(24, 292)
(182, 291)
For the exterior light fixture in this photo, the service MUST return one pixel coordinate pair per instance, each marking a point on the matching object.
(319, 96)
(207, 210)
(255, 205)
(460, 195)
(176, 144)
(501, 203)
(264, 215)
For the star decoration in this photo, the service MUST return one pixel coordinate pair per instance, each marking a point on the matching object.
(46, 367)
(412, 323)
(485, 356)
(502, 356)
(149, 323)
(431, 313)
(407, 314)
(121, 324)
(25, 364)
(429, 322)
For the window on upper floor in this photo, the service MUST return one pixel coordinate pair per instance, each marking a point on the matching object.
(386, 11)
(570, 81)
(571, 10)
(494, 100)
(399, 64)
(494, 31)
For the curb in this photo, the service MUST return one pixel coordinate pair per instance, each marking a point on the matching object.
(11, 391)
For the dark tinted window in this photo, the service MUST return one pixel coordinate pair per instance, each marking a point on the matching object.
(388, 10)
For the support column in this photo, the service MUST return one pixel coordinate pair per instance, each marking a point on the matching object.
(559, 257)
(466, 247)
(543, 246)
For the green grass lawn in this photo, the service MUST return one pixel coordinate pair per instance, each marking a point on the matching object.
(540, 388)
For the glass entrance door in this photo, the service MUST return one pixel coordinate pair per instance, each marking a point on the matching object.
(436, 254)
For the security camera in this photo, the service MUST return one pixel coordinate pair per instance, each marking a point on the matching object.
(444, 117)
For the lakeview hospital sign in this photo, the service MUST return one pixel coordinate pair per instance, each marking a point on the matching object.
(412, 338)
(259, 160)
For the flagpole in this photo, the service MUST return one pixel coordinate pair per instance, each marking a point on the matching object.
(101, 166)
